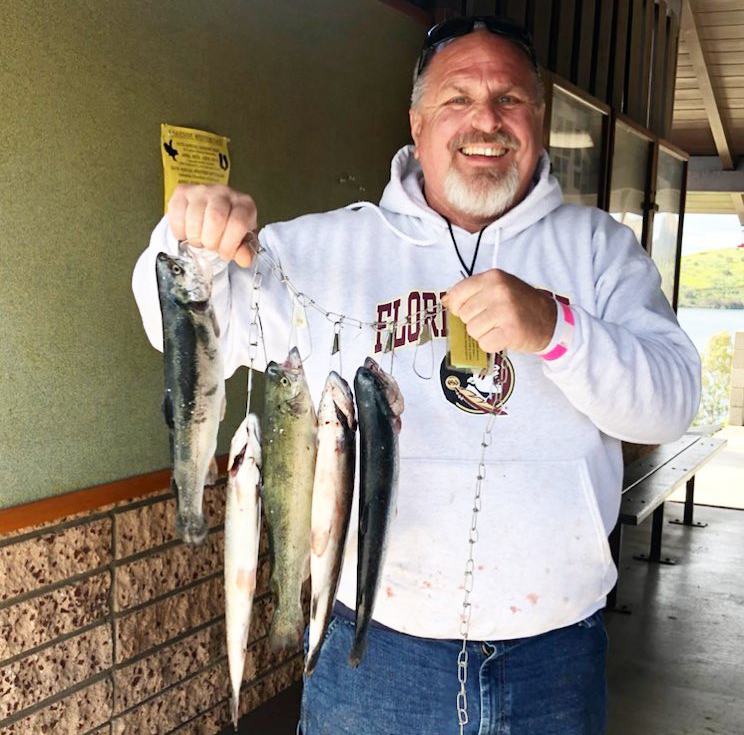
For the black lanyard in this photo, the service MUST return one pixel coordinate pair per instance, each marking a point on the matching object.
(467, 270)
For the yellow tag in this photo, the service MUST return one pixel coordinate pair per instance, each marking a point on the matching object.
(464, 351)
(192, 157)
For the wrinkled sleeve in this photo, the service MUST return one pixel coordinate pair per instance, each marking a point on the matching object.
(628, 366)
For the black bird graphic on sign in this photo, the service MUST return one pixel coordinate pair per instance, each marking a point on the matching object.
(170, 150)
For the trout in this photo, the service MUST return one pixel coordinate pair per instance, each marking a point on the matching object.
(194, 400)
(242, 528)
(289, 429)
(379, 405)
(333, 490)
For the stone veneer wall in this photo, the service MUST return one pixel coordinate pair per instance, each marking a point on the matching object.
(111, 626)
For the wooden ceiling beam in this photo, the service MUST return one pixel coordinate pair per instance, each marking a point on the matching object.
(718, 127)
(738, 200)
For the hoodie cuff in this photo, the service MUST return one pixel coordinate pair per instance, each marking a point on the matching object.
(562, 337)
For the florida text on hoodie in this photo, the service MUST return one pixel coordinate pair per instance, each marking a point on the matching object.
(618, 367)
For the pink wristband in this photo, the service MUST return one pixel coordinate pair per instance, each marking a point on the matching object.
(566, 333)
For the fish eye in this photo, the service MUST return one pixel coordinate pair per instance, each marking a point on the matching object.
(284, 381)
(177, 269)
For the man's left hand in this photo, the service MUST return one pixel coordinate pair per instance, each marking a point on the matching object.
(501, 311)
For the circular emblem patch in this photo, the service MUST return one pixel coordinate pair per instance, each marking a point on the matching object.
(479, 393)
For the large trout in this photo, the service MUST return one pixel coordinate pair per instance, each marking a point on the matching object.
(242, 528)
(194, 400)
(333, 490)
(289, 429)
(379, 405)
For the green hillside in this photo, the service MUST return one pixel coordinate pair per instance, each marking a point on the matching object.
(713, 280)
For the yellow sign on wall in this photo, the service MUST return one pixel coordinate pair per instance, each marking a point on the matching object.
(192, 157)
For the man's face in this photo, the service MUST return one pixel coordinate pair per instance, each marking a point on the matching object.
(478, 128)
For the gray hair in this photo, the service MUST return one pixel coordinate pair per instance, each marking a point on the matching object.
(420, 83)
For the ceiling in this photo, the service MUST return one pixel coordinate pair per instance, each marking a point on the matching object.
(708, 117)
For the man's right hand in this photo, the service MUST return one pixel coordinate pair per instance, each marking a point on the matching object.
(215, 217)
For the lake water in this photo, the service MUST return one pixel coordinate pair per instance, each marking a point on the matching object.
(701, 324)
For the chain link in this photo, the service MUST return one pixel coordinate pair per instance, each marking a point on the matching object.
(467, 608)
(255, 334)
(333, 316)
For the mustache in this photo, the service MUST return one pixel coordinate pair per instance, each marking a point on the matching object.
(499, 138)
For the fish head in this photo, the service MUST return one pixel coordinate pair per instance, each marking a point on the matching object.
(337, 402)
(387, 386)
(185, 279)
(245, 444)
(286, 388)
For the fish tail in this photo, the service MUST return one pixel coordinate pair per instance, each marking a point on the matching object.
(357, 650)
(286, 630)
(312, 660)
(234, 711)
(191, 527)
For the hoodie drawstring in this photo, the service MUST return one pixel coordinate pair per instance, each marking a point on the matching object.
(392, 228)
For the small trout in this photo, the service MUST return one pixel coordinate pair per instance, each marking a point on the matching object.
(333, 490)
(379, 405)
(194, 400)
(289, 429)
(242, 529)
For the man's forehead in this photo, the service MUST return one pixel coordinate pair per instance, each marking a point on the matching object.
(483, 50)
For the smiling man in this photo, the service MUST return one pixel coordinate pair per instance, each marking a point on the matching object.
(587, 352)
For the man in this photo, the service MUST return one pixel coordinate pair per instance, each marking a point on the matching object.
(590, 354)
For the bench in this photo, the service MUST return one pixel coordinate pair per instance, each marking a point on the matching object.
(648, 482)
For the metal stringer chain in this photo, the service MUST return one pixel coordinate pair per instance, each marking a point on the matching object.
(255, 334)
(462, 657)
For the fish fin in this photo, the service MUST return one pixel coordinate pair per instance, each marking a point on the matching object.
(357, 651)
(215, 323)
(285, 632)
(168, 410)
(234, 704)
(306, 569)
(213, 472)
(174, 488)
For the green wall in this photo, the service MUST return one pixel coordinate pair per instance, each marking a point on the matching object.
(307, 91)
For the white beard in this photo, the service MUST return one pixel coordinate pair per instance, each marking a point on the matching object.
(482, 195)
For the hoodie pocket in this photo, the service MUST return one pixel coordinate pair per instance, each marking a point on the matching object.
(541, 556)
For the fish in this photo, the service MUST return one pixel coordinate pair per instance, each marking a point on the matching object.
(289, 430)
(333, 490)
(242, 533)
(379, 406)
(194, 399)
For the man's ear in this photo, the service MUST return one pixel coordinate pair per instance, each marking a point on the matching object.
(415, 121)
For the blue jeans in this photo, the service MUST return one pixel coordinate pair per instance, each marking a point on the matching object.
(550, 684)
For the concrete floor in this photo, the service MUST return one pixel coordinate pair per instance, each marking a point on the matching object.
(676, 663)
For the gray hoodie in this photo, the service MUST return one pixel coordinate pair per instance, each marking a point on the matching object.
(621, 368)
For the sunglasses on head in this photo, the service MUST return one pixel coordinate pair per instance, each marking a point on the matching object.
(456, 27)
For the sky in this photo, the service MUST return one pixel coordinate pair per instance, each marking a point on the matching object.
(703, 232)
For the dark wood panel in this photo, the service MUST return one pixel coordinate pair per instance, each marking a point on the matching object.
(657, 95)
(481, 7)
(515, 10)
(641, 36)
(585, 58)
(542, 13)
(564, 33)
(619, 57)
(672, 46)
(600, 85)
